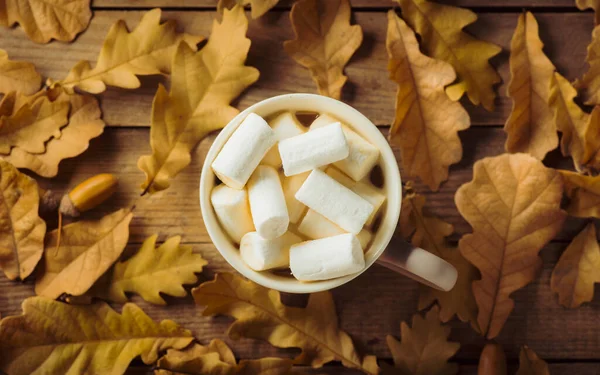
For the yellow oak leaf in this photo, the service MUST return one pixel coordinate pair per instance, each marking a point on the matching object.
(87, 249)
(202, 86)
(152, 271)
(430, 234)
(21, 229)
(577, 269)
(594, 4)
(513, 205)
(18, 76)
(423, 349)
(589, 84)
(441, 30)
(45, 20)
(31, 125)
(583, 193)
(260, 314)
(427, 122)
(217, 359)
(324, 41)
(259, 7)
(570, 120)
(52, 337)
(591, 150)
(531, 364)
(530, 126)
(147, 50)
(84, 124)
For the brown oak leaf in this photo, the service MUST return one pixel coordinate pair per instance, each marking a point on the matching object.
(513, 205)
(324, 41)
(18, 76)
(531, 364)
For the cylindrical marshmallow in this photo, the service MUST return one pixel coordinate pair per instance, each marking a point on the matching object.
(365, 189)
(261, 254)
(363, 155)
(290, 187)
(327, 258)
(243, 151)
(267, 203)
(233, 211)
(316, 226)
(285, 126)
(334, 201)
(313, 149)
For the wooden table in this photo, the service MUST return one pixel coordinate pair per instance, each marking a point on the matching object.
(373, 305)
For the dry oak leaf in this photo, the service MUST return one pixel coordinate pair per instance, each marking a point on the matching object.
(21, 229)
(531, 364)
(430, 234)
(217, 359)
(583, 193)
(427, 122)
(87, 249)
(152, 271)
(44, 20)
(147, 50)
(18, 76)
(589, 84)
(52, 337)
(324, 41)
(424, 349)
(513, 205)
(577, 269)
(441, 29)
(594, 4)
(570, 120)
(530, 126)
(84, 124)
(260, 314)
(32, 124)
(202, 86)
(259, 7)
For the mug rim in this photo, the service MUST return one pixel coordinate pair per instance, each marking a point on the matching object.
(335, 108)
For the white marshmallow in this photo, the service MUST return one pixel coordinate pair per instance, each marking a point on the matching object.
(313, 149)
(363, 155)
(316, 226)
(285, 126)
(363, 188)
(334, 201)
(261, 254)
(267, 203)
(326, 258)
(233, 211)
(243, 151)
(290, 187)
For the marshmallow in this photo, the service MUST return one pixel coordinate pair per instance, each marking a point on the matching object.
(316, 226)
(290, 187)
(261, 254)
(233, 211)
(326, 258)
(285, 126)
(334, 201)
(362, 157)
(267, 203)
(313, 149)
(243, 151)
(365, 189)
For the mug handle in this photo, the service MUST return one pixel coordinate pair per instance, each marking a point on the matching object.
(418, 264)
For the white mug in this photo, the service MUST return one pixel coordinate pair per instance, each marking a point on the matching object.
(384, 248)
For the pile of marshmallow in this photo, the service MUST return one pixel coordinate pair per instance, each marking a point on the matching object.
(314, 218)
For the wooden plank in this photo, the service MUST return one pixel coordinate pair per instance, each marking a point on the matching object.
(175, 211)
(286, 4)
(368, 89)
(373, 305)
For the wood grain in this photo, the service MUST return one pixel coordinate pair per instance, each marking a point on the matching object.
(369, 89)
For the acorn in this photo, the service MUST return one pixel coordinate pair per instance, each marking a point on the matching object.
(88, 194)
